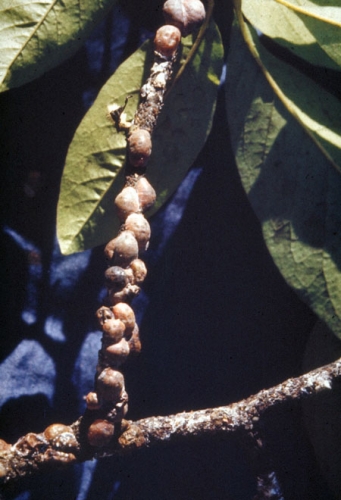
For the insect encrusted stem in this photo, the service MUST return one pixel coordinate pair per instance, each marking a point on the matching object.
(107, 405)
(38, 452)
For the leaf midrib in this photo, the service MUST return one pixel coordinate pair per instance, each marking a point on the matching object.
(302, 10)
(34, 31)
(292, 108)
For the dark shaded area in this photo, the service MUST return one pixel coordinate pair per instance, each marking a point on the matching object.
(243, 310)
(306, 195)
(326, 77)
(220, 322)
(29, 412)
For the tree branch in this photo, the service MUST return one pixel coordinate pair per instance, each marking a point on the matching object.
(39, 452)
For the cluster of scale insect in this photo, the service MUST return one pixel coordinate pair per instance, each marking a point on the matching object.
(107, 405)
(126, 270)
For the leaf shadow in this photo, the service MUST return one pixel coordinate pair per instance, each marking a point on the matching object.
(296, 183)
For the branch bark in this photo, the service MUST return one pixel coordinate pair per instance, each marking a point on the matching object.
(36, 453)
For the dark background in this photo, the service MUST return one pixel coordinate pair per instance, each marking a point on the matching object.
(217, 320)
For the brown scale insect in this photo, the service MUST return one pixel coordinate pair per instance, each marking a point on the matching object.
(126, 271)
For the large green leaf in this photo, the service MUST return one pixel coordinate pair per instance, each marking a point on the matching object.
(36, 35)
(323, 21)
(93, 173)
(316, 109)
(293, 188)
(309, 30)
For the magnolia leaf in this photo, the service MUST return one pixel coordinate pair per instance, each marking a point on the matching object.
(308, 30)
(37, 35)
(93, 173)
(293, 188)
(323, 21)
(316, 109)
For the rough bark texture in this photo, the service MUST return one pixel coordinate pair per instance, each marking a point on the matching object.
(152, 93)
(36, 453)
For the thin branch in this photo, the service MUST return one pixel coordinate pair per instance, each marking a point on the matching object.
(237, 416)
(35, 453)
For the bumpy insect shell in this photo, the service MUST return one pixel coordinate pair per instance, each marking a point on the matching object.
(92, 402)
(126, 295)
(103, 314)
(116, 277)
(61, 436)
(124, 313)
(100, 433)
(146, 193)
(116, 354)
(113, 331)
(127, 202)
(122, 250)
(139, 147)
(187, 15)
(139, 226)
(110, 385)
(167, 40)
(139, 270)
(54, 430)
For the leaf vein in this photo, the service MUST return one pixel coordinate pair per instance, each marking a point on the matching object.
(29, 38)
